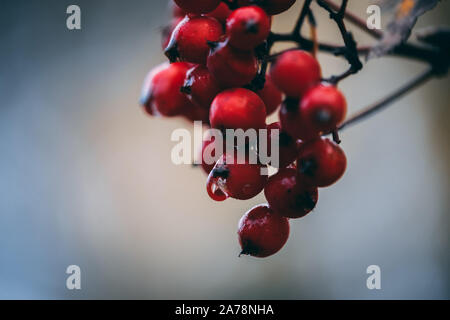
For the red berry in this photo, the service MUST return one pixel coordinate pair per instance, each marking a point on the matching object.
(177, 12)
(210, 153)
(273, 7)
(287, 146)
(288, 196)
(198, 6)
(247, 27)
(290, 120)
(194, 112)
(167, 31)
(236, 180)
(322, 108)
(262, 232)
(271, 96)
(189, 40)
(232, 68)
(321, 162)
(221, 13)
(238, 109)
(294, 72)
(200, 86)
(161, 91)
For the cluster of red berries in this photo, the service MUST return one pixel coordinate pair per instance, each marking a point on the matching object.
(213, 53)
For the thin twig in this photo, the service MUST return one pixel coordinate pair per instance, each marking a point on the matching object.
(383, 103)
(301, 17)
(351, 51)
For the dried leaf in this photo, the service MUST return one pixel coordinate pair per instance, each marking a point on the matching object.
(399, 29)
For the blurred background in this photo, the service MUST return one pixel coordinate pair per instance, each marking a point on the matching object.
(86, 177)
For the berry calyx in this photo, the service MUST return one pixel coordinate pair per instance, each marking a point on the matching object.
(262, 232)
(197, 6)
(247, 27)
(234, 178)
(231, 67)
(237, 109)
(189, 40)
(294, 72)
(322, 108)
(200, 86)
(161, 90)
(321, 162)
(288, 195)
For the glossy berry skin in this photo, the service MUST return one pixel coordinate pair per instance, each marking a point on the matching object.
(231, 67)
(262, 232)
(166, 32)
(247, 27)
(321, 162)
(161, 90)
(235, 179)
(200, 86)
(322, 108)
(197, 6)
(288, 196)
(237, 109)
(294, 72)
(221, 13)
(287, 146)
(189, 40)
(271, 96)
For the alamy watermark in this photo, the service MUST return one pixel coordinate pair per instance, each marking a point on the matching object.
(258, 146)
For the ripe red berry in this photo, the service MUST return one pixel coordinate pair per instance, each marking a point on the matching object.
(262, 232)
(287, 146)
(273, 7)
(237, 109)
(271, 96)
(197, 6)
(232, 68)
(194, 112)
(321, 162)
(221, 13)
(247, 27)
(229, 178)
(189, 40)
(166, 32)
(294, 72)
(200, 86)
(322, 108)
(288, 196)
(177, 12)
(290, 120)
(161, 90)
(210, 153)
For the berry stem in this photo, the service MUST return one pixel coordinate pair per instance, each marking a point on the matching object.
(351, 49)
(301, 17)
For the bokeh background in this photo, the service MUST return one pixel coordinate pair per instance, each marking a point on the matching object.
(86, 176)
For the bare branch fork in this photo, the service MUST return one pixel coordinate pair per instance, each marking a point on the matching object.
(437, 60)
